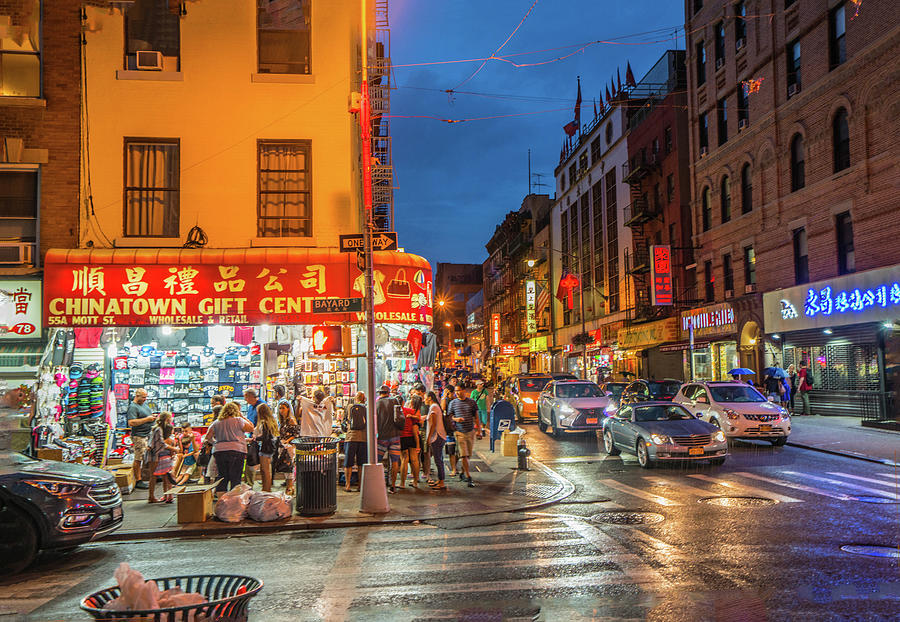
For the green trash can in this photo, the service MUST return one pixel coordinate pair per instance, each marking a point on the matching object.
(316, 475)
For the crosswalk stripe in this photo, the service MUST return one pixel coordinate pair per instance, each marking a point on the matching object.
(600, 577)
(795, 486)
(829, 480)
(864, 479)
(334, 603)
(439, 534)
(541, 561)
(677, 486)
(894, 477)
(754, 490)
(494, 547)
(635, 492)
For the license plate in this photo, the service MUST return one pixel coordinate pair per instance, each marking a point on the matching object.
(765, 428)
(695, 451)
(591, 420)
(117, 513)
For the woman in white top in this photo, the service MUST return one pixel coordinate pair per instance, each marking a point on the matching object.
(436, 436)
(316, 417)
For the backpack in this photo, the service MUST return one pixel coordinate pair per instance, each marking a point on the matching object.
(357, 417)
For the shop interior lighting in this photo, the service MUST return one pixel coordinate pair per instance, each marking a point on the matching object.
(889, 325)
(387, 349)
(827, 331)
(166, 330)
(776, 336)
(219, 336)
(530, 263)
(111, 350)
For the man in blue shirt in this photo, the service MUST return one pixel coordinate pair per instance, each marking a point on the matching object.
(465, 415)
(252, 402)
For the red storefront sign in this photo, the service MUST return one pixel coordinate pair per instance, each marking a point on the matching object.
(495, 329)
(661, 275)
(193, 287)
(508, 349)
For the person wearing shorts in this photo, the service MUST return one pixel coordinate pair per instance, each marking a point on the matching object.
(388, 433)
(355, 446)
(465, 415)
(140, 420)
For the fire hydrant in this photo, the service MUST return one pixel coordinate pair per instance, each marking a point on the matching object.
(523, 453)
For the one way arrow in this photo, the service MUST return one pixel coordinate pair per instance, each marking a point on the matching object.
(385, 241)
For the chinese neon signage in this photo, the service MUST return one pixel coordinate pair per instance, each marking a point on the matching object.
(495, 329)
(530, 300)
(716, 316)
(661, 275)
(508, 350)
(826, 301)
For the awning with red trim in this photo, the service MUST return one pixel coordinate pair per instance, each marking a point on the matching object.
(248, 286)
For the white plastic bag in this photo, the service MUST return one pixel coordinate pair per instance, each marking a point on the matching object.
(232, 506)
(269, 506)
(139, 595)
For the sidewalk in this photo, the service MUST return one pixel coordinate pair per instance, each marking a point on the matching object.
(845, 436)
(500, 487)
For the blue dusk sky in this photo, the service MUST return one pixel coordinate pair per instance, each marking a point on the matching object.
(458, 180)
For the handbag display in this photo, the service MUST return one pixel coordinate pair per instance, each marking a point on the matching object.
(399, 286)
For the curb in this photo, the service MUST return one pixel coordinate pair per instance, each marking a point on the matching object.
(845, 454)
(567, 488)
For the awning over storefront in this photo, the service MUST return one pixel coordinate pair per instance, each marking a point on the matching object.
(194, 287)
(684, 345)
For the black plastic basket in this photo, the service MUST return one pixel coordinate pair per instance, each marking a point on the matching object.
(224, 603)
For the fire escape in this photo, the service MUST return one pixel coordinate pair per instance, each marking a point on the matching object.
(637, 216)
(380, 98)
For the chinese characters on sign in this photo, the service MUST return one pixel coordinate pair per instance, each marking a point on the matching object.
(826, 301)
(195, 292)
(495, 329)
(530, 299)
(20, 309)
(661, 275)
(710, 320)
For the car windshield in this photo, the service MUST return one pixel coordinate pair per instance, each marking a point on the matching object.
(581, 389)
(14, 458)
(615, 389)
(663, 389)
(533, 384)
(736, 393)
(661, 413)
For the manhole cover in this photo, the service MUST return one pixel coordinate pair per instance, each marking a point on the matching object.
(738, 502)
(873, 499)
(624, 517)
(872, 550)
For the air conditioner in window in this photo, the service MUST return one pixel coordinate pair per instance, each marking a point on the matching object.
(720, 62)
(749, 289)
(740, 43)
(16, 253)
(146, 60)
(793, 89)
(729, 293)
(703, 151)
(742, 124)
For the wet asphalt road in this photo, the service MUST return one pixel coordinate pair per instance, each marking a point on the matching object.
(778, 559)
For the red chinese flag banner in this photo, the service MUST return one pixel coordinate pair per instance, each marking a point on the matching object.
(661, 275)
(196, 287)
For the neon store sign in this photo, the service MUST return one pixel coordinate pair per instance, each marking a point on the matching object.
(826, 301)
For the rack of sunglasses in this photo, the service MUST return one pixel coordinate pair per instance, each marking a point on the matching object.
(182, 381)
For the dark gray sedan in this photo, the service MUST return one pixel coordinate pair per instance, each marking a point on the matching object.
(656, 431)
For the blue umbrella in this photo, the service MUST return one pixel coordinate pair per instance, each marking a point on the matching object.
(741, 371)
(775, 372)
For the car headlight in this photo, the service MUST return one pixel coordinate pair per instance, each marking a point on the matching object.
(731, 414)
(659, 439)
(567, 409)
(528, 400)
(57, 489)
(784, 413)
(610, 410)
(719, 436)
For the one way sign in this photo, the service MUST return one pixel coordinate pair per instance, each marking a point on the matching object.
(381, 241)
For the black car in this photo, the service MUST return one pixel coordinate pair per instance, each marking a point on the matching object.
(645, 390)
(46, 505)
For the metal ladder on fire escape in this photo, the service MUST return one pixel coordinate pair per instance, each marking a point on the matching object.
(637, 215)
(380, 100)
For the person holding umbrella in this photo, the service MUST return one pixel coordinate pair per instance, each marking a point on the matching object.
(737, 372)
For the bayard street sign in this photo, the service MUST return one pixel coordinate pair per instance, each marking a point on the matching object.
(337, 305)
(381, 241)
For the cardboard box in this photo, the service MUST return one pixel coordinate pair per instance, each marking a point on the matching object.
(114, 460)
(124, 478)
(195, 503)
(510, 444)
(50, 453)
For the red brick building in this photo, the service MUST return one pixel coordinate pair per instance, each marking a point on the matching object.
(793, 122)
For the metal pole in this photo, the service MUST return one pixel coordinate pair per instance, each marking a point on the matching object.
(583, 331)
(373, 497)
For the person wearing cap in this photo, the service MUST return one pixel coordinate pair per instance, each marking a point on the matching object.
(388, 433)
(480, 397)
(140, 420)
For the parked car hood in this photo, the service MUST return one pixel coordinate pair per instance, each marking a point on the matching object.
(683, 427)
(11, 464)
(586, 402)
(752, 408)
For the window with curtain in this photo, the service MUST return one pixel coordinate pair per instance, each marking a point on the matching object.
(720, 43)
(20, 50)
(284, 205)
(749, 265)
(152, 188)
(798, 163)
(725, 197)
(18, 205)
(154, 26)
(841, 140)
(746, 189)
(283, 36)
